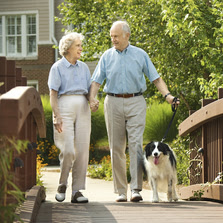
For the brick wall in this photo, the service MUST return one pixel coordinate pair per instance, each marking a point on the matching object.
(38, 69)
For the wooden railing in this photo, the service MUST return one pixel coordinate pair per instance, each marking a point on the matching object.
(205, 127)
(21, 117)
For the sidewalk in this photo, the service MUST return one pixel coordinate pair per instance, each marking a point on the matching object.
(102, 207)
(96, 190)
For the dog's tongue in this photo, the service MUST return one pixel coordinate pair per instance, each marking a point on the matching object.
(156, 160)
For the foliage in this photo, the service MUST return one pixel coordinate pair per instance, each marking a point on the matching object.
(48, 117)
(98, 127)
(7, 187)
(183, 38)
(96, 154)
(39, 166)
(180, 147)
(210, 87)
(49, 153)
(158, 117)
(198, 194)
(196, 26)
(103, 169)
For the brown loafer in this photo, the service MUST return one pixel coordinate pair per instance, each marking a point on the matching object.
(78, 198)
(61, 192)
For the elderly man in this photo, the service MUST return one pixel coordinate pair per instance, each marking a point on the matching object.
(124, 67)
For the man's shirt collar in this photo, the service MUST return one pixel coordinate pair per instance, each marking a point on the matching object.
(124, 51)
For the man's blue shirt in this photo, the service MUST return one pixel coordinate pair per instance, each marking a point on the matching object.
(124, 71)
(67, 78)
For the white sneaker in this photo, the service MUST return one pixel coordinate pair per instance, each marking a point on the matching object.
(61, 192)
(136, 197)
(121, 198)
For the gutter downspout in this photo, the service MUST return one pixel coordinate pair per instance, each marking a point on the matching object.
(52, 29)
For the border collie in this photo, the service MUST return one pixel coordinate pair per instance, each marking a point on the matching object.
(160, 167)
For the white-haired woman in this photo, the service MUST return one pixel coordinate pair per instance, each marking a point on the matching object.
(69, 84)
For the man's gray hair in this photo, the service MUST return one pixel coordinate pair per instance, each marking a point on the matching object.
(67, 40)
(125, 26)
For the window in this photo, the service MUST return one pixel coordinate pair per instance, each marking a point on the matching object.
(33, 83)
(31, 34)
(13, 35)
(18, 35)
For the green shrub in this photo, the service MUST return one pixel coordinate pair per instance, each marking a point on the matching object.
(181, 148)
(49, 152)
(48, 117)
(7, 186)
(103, 169)
(158, 117)
(97, 154)
(98, 127)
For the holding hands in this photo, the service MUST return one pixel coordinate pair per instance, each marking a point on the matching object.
(94, 104)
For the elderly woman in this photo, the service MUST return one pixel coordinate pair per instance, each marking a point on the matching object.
(69, 83)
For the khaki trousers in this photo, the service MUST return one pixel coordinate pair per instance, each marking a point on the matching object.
(125, 115)
(74, 140)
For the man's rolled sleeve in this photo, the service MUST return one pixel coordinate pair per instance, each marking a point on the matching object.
(150, 70)
(99, 74)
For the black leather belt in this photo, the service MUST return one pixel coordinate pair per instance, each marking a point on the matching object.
(125, 95)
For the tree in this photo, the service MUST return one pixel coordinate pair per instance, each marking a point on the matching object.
(197, 26)
(182, 37)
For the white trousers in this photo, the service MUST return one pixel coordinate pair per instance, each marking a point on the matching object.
(121, 115)
(74, 140)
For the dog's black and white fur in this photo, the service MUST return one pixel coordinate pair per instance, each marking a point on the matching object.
(160, 167)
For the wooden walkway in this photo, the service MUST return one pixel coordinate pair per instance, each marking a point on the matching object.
(110, 212)
(102, 208)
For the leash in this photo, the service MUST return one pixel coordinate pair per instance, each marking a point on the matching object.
(174, 109)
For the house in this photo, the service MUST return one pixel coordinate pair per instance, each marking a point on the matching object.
(28, 33)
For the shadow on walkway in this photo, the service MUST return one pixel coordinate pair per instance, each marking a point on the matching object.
(102, 207)
(97, 212)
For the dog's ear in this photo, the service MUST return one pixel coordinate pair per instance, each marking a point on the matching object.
(165, 148)
(148, 149)
(171, 155)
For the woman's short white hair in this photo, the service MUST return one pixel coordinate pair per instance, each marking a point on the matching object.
(67, 40)
(125, 26)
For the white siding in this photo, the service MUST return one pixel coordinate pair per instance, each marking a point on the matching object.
(21, 6)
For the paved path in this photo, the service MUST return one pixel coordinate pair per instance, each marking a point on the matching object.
(102, 207)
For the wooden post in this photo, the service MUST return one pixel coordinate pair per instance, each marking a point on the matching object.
(21, 115)
(3, 72)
